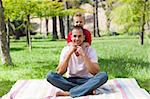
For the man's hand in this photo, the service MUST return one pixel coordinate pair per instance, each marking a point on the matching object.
(72, 49)
(85, 44)
(80, 51)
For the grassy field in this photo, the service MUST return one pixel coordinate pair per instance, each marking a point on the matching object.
(119, 56)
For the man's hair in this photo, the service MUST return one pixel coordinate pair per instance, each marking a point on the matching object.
(78, 28)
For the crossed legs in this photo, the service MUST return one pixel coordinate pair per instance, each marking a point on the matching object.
(77, 86)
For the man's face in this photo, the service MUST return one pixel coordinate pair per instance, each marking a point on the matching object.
(78, 21)
(77, 37)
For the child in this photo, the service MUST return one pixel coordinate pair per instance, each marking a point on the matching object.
(78, 20)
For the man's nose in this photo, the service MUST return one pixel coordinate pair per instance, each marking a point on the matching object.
(78, 23)
(77, 38)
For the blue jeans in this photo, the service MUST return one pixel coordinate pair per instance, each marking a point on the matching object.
(77, 86)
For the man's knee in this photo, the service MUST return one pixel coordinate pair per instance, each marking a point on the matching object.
(103, 76)
(51, 76)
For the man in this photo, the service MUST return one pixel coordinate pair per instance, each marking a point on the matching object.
(84, 76)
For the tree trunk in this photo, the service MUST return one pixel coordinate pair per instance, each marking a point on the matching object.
(143, 23)
(40, 25)
(54, 21)
(28, 35)
(96, 19)
(61, 24)
(107, 13)
(5, 55)
(8, 32)
(66, 20)
(46, 23)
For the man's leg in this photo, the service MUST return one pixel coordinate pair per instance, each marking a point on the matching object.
(60, 81)
(92, 84)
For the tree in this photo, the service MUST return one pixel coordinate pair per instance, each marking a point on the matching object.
(107, 5)
(61, 25)
(94, 29)
(66, 19)
(46, 23)
(21, 10)
(5, 55)
(132, 15)
(54, 22)
(96, 18)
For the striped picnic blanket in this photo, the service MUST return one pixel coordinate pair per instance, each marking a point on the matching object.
(119, 88)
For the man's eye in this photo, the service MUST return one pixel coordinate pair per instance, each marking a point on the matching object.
(74, 36)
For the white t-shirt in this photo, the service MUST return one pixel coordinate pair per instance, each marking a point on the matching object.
(76, 65)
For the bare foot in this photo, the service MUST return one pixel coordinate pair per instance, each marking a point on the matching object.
(94, 92)
(62, 93)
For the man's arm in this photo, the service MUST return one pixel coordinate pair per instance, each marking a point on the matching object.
(92, 67)
(62, 67)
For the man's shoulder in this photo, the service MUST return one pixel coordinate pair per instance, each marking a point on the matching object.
(91, 48)
(66, 47)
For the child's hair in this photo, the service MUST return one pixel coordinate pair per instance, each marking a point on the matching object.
(79, 14)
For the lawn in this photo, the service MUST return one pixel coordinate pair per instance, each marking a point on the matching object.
(119, 56)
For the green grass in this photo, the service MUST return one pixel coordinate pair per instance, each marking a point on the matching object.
(119, 56)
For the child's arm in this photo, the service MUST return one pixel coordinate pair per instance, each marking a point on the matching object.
(69, 38)
(88, 37)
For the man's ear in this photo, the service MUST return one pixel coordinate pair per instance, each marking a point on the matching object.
(71, 38)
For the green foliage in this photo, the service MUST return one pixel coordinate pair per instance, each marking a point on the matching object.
(129, 14)
(19, 9)
(120, 56)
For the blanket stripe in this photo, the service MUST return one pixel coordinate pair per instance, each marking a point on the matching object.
(121, 89)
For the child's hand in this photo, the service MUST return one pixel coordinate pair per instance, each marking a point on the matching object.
(85, 44)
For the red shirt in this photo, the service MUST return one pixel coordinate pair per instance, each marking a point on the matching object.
(85, 32)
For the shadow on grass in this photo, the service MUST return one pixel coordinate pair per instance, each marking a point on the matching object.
(123, 62)
(126, 68)
(5, 86)
(60, 46)
(16, 49)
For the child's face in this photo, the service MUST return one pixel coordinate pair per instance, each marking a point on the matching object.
(78, 21)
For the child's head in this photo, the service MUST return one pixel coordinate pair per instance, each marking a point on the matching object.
(78, 20)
